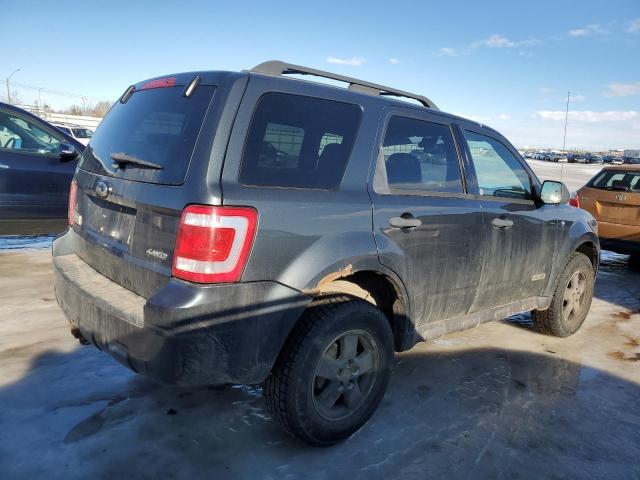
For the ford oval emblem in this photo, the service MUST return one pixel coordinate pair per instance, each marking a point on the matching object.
(102, 189)
(621, 197)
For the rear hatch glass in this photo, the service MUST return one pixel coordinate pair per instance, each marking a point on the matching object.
(155, 131)
(618, 180)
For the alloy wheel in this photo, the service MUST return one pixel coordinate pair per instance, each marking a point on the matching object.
(345, 375)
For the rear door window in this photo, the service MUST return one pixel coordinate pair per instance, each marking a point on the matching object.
(299, 142)
(419, 156)
(157, 125)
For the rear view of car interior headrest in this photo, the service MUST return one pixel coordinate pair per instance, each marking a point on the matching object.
(620, 185)
(331, 164)
(403, 168)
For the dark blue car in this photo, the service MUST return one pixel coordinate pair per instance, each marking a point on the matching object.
(37, 162)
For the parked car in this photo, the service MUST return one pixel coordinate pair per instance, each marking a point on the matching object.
(37, 162)
(193, 261)
(612, 196)
(555, 157)
(590, 158)
(81, 134)
(631, 161)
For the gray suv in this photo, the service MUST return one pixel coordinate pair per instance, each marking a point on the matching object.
(251, 228)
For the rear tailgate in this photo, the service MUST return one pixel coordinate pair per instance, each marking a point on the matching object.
(126, 240)
(127, 212)
(613, 196)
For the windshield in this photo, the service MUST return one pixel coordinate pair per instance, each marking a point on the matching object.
(82, 133)
(159, 126)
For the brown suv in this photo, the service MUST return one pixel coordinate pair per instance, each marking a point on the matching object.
(613, 198)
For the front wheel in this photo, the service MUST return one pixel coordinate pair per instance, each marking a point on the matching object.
(332, 372)
(571, 299)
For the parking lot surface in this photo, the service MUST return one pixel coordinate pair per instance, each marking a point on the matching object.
(498, 401)
(574, 175)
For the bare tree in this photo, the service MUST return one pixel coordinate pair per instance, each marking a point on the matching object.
(14, 98)
(101, 109)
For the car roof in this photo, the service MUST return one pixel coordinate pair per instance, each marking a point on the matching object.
(212, 77)
(628, 167)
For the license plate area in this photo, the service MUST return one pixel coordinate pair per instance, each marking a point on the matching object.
(110, 220)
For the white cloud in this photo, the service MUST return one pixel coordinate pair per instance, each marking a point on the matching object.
(447, 52)
(394, 61)
(353, 61)
(504, 116)
(634, 26)
(622, 89)
(594, 28)
(546, 90)
(577, 98)
(500, 41)
(494, 41)
(588, 116)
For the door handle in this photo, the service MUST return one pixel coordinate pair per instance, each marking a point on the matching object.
(502, 223)
(402, 222)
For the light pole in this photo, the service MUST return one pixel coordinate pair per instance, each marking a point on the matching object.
(8, 90)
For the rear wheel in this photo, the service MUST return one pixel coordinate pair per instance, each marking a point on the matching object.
(333, 371)
(571, 300)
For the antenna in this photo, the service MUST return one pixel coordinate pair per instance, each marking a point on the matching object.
(564, 141)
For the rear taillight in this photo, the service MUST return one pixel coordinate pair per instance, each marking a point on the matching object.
(73, 195)
(213, 243)
(574, 201)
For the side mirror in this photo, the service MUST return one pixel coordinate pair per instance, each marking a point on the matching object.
(67, 152)
(554, 193)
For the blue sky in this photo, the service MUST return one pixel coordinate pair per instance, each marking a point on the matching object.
(506, 64)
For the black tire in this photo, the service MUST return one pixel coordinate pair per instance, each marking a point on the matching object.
(567, 297)
(294, 390)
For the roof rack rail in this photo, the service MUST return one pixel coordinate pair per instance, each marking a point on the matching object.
(279, 68)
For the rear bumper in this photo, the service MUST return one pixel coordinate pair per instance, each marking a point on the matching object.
(619, 238)
(185, 334)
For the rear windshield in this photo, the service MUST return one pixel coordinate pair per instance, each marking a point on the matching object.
(618, 180)
(158, 126)
(297, 141)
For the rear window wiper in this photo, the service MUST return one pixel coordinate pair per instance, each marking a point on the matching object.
(124, 158)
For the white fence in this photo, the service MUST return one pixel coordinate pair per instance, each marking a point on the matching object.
(49, 116)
